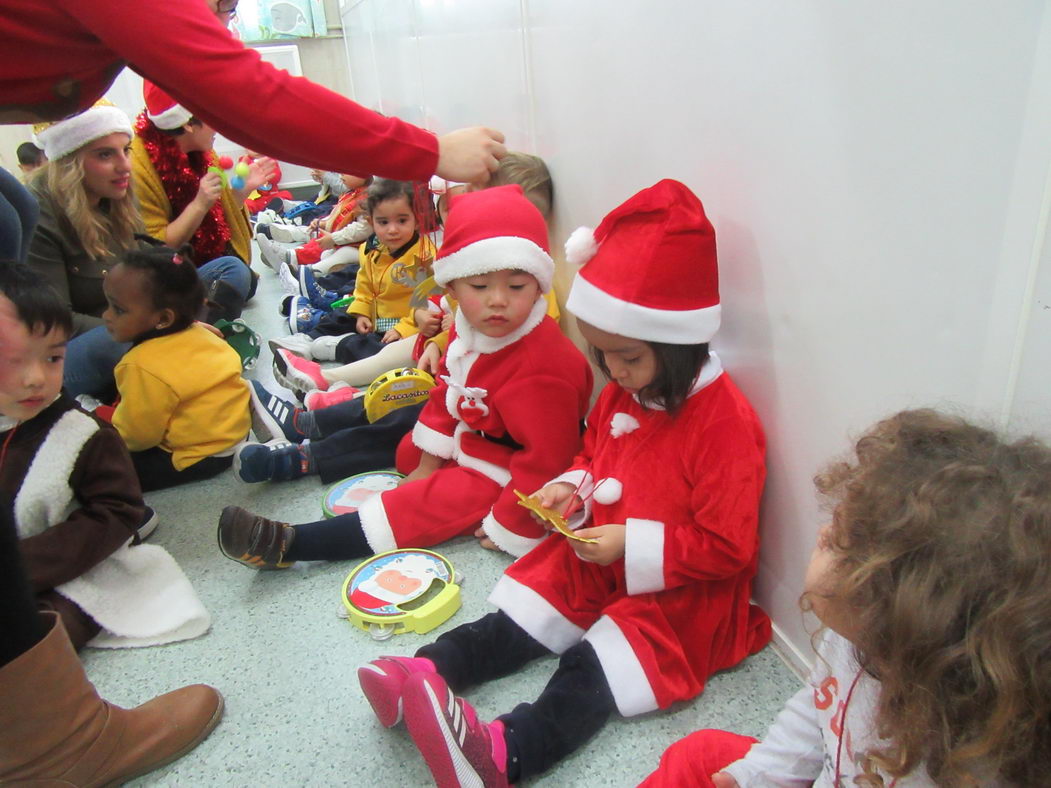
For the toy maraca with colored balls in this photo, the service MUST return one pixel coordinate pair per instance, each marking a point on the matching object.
(240, 173)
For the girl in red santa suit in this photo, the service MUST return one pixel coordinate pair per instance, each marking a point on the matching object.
(667, 486)
(505, 416)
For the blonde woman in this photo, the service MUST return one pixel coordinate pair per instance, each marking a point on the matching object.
(88, 221)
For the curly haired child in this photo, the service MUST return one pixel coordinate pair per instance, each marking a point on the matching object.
(669, 481)
(183, 405)
(934, 587)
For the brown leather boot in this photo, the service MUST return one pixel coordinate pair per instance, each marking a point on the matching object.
(254, 540)
(58, 731)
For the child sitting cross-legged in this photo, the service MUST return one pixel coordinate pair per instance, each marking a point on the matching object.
(184, 406)
(934, 587)
(669, 481)
(77, 504)
(505, 416)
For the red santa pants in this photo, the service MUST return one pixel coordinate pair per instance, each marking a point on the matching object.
(309, 253)
(690, 762)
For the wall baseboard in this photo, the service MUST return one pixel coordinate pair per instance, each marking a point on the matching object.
(798, 662)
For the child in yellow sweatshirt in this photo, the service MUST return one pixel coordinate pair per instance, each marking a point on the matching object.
(183, 405)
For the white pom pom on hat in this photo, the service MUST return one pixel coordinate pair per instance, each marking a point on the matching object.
(650, 269)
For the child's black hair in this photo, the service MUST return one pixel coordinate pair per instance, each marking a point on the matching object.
(383, 189)
(677, 369)
(38, 306)
(171, 279)
(29, 154)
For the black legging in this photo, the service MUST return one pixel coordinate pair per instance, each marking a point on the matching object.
(18, 217)
(20, 627)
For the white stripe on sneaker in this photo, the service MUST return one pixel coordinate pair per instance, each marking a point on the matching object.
(466, 776)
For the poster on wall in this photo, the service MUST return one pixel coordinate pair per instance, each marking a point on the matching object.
(276, 20)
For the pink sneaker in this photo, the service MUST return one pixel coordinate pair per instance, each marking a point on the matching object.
(460, 750)
(337, 393)
(382, 681)
(297, 373)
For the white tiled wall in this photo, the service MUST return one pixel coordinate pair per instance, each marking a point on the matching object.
(875, 172)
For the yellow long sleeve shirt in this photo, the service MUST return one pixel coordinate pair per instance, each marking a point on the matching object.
(384, 285)
(183, 392)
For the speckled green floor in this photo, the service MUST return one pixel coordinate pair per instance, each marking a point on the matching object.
(286, 662)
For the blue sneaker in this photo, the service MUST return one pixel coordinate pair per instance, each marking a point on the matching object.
(319, 297)
(272, 417)
(275, 461)
(303, 316)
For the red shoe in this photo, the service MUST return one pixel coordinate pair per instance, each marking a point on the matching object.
(297, 373)
(382, 681)
(337, 393)
(460, 750)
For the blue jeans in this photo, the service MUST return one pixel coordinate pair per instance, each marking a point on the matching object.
(91, 357)
(18, 216)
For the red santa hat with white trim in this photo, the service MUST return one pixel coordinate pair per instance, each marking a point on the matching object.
(494, 229)
(650, 270)
(165, 112)
(71, 134)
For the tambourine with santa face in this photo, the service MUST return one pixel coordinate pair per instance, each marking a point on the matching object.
(408, 590)
(347, 495)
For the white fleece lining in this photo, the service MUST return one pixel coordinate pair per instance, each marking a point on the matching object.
(474, 339)
(433, 442)
(501, 253)
(675, 327)
(644, 556)
(535, 615)
(507, 540)
(376, 526)
(624, 674)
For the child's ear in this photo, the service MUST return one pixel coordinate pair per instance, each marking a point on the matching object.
(167, 317)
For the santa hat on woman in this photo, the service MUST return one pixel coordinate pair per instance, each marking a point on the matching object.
(650, 270)
(494, 229)
(162, 109)
(70, 135)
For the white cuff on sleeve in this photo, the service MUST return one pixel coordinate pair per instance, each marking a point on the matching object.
(433, 442)
(644, 556)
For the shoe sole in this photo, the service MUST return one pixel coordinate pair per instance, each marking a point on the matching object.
(375, 684)
(437, 743)
(264, 425)
(275, 345)
(205, 732)
(147, 528)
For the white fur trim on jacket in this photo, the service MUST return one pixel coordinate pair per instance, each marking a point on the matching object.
(624, 674)
(644, 556)
(472, 339)
(500, 253)
(433, 442)
(677, 327)
(376, 526)
(506, 540)
(535, 615)
(139, 595)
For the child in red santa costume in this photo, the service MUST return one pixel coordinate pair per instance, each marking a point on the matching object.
(505, 416)
(668, 483)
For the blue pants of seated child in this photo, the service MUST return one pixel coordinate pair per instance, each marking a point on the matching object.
(91, 357)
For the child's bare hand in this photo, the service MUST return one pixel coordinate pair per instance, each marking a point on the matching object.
(447, 321)
(485, 541)
(608, 548)
(211, 328)
(391, 336)
(427, 322)
(315, 175)
(723, 780)
(558, 496)
(314, 225)
(430, 358)
(419, 473)
(363, 325)
(324, 240)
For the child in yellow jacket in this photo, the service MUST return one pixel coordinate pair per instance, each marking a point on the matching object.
(183, 405)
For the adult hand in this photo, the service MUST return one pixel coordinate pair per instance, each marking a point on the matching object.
(429, 359)
(259, 172)
(427, 322)
(363, 325)
(209, 190)
(608, 548)
(723, 780)
(390, 336)
(484, 540)
(469, 155)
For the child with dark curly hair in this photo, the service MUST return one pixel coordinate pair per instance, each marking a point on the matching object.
(183, 406)
(934, 586)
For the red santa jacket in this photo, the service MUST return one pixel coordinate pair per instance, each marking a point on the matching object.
(511, 409)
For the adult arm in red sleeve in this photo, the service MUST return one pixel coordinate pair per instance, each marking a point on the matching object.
(182, 47)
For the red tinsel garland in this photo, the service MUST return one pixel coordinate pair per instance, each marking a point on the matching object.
(181, 174)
